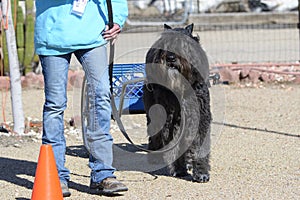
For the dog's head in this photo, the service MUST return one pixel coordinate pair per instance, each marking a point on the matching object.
(188, 31)
(177, 57)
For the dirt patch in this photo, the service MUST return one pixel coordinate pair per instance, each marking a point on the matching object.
(255, 152)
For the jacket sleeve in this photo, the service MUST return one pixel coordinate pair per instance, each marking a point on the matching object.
(120, 11)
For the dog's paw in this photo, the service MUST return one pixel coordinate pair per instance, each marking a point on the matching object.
(201, 178)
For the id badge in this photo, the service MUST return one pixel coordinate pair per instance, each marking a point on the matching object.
(79, 7)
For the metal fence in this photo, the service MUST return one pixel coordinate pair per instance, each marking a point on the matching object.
(155, 12)
(232, 32)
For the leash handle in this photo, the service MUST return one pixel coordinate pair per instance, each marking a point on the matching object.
(110, 14)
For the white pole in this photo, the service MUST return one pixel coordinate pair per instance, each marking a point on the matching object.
(15, 78)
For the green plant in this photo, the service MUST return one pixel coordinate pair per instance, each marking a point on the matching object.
(24, 29)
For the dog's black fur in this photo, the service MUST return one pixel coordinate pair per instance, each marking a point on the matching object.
(177, 73)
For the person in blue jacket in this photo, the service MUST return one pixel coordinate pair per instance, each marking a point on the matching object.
(79, 27)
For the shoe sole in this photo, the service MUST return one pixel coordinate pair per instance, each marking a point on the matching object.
(67, 194)
(110, 192)
(115, 190)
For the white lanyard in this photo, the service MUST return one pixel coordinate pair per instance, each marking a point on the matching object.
(79, 7)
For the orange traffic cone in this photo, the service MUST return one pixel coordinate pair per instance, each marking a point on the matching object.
(46, 182)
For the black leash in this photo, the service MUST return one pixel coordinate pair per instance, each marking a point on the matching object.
(111, 46)
(115, 111)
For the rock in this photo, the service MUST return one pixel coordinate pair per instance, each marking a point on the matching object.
(228, 75)
(33, 80)
(297, 79)
(254, 76)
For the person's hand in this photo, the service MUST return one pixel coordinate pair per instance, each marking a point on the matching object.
(111, 34)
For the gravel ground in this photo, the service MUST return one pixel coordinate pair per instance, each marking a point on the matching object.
(255, 150)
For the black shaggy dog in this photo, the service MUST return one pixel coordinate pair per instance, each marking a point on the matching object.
(177, 102)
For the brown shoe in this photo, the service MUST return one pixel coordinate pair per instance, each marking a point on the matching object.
(109, 186)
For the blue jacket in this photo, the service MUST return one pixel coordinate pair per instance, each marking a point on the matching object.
(58, 31)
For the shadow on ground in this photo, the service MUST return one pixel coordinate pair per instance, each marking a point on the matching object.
(13, 171)
(129, 158)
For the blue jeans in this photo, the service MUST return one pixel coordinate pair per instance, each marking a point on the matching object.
(55, 71)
